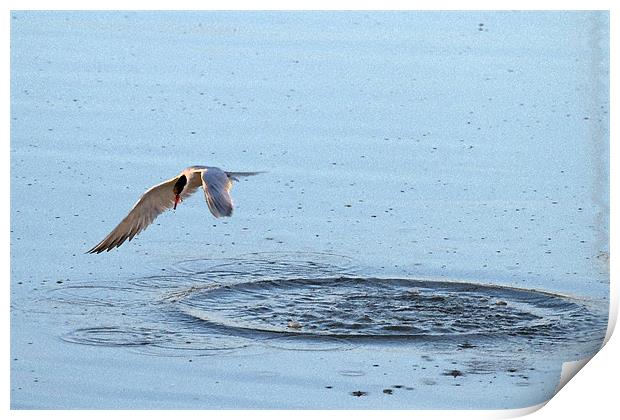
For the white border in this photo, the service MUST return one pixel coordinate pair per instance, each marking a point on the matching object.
(593, 393)
(311, 5)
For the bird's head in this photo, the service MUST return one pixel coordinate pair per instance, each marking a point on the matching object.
(178, 188)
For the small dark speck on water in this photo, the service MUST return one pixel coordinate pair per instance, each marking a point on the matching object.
(359, 393)
(329, 387)
(388, 391)
(466, 346)
(454, 373)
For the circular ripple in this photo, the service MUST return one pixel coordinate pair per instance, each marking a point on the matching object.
(392, 308)
(164, 282)
(156, 341)
(267, 265)
(116, 336)
(83, 298)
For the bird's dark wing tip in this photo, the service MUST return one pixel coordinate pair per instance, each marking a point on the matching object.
(95, 250)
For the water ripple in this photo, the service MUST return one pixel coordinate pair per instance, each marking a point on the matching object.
(352, 307)
(313, 302)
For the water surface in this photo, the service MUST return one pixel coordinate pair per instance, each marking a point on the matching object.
(434, 217)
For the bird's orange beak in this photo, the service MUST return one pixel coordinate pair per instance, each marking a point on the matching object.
(177, 198)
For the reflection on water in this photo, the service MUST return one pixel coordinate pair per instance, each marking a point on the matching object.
(318, 302)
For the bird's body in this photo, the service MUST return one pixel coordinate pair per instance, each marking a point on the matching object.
(215, 182)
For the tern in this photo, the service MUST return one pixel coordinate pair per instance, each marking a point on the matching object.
(215, 182)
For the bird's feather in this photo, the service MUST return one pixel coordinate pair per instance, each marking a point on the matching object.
(235, 175)
(216, 185)
(152, 203)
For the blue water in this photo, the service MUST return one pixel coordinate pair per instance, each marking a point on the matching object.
(467, 146)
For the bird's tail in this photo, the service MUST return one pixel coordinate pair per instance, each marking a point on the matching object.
(235, 175)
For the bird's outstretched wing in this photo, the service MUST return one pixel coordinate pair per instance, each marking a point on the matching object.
(235, 175)
(152, 203)
(217, 184)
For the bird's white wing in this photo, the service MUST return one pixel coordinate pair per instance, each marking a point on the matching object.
(152, 203)
(216, 185)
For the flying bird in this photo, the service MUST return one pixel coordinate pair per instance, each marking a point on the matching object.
(215, 182)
